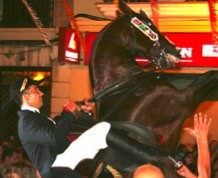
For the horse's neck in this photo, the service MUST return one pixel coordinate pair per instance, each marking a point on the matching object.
(111, 57)
(119, 75)
(113, 65)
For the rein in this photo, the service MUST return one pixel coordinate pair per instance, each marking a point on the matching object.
(118, 84)
(134, 129)
(116, 87)
(121, 100)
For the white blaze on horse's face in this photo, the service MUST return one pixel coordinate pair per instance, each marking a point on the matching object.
(144, 29)
(172, 58)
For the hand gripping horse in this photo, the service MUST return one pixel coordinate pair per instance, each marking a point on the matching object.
(135, 99)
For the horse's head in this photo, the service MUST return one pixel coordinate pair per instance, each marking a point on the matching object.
(148, 42)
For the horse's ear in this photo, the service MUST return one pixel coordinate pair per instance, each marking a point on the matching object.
(118, 14)
(125, 9)
(143, 13)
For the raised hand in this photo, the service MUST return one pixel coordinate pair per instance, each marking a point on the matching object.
(201, 128)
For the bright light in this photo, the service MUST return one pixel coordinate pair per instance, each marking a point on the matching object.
(39, 76)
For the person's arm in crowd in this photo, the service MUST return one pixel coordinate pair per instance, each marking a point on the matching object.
(185, 172)
(200, 133)
(202, 126)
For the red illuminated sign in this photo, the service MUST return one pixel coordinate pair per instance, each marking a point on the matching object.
(197, 49)
(68, 50)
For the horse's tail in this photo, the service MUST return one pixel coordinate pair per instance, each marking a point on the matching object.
(204, 86)
(92, 17)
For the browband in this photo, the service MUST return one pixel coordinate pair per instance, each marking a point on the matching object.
(144, 29)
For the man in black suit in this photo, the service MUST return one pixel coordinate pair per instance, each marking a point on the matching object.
(45, 141)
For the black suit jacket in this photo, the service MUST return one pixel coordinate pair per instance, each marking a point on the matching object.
(42, 139)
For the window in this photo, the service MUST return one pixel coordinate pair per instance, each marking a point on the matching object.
(14, 14)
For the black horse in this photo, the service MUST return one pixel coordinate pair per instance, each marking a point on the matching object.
(127, 94)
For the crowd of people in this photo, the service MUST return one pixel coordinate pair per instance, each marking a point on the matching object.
(43, 149)
(14, 160)
(11, 151)
(199, 162)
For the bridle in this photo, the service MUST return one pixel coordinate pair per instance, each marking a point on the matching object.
(154, 38)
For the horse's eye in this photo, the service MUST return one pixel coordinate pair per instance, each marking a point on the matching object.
(149, 23)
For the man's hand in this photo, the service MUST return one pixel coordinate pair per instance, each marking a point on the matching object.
(70, 106)
(88, 107)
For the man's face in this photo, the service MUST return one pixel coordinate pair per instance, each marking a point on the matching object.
(12, 159)
(33, 97)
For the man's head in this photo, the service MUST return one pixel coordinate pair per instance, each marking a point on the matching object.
(26, 91)
(19, 169)
(9, 155)
(148, 171)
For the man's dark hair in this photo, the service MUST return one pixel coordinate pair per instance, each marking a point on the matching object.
(24, 169)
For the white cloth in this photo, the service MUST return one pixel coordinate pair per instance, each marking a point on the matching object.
(84, 147)
(30, 108)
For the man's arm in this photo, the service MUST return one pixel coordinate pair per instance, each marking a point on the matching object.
(42, 131)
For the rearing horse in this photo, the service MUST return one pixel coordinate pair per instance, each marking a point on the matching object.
(128, 92)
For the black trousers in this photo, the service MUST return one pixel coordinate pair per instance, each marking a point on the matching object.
(61, 172)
